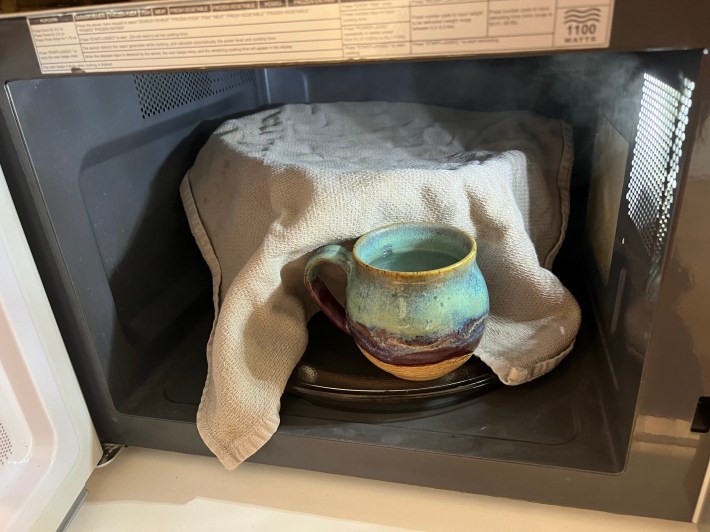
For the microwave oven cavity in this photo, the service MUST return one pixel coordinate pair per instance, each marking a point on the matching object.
(94, 162)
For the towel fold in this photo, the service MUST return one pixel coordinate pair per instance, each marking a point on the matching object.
(268, 189)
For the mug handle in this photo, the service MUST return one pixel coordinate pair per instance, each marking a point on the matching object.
(341, 257)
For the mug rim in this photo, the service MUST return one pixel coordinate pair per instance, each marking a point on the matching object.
(470, 256)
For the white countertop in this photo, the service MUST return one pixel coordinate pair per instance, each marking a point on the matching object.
(145, 489)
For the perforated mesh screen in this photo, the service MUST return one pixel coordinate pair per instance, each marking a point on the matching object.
(656, 161)
(5, 445)
(158, 93)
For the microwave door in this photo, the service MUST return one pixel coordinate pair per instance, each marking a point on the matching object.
(48, 446)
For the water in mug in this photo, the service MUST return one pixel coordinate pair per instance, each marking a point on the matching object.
(414, 260)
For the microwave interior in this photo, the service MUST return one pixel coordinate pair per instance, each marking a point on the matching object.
(132, 294)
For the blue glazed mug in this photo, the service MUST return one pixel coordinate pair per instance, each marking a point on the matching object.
(415, 302)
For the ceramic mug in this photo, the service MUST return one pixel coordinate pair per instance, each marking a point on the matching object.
(415, 302)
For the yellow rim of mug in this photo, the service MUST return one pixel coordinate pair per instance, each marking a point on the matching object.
(470, 257)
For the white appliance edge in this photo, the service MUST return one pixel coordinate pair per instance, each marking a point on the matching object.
(51, 447)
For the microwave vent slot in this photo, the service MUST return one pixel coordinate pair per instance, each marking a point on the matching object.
(5, 445)
(656, 160)
(159, 93)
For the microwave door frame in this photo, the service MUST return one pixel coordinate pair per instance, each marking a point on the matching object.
(49, 427)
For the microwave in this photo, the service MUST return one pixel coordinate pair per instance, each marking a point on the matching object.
(105, 107)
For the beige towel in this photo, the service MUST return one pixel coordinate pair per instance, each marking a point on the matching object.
(268, 189)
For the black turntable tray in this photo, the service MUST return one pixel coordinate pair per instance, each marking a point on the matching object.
(333, 370)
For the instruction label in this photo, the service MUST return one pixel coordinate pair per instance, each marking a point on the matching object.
(267, 32)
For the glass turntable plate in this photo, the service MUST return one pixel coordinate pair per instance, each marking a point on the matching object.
(333, 370)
